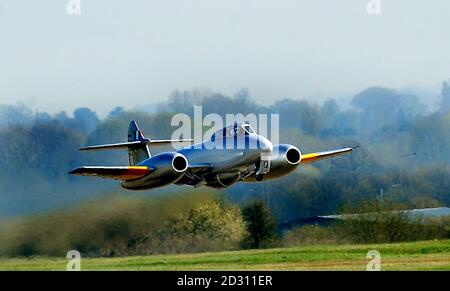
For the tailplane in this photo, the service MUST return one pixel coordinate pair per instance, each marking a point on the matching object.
(137, 145)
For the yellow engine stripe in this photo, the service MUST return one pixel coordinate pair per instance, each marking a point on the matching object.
(138, 168)
(312, 157)
(308, 158)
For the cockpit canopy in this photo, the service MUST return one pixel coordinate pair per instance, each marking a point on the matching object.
(236, 129)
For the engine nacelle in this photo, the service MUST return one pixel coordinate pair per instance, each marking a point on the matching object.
(223, 180)
(284, 159)
(168, 167)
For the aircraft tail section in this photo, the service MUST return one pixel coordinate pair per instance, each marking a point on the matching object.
(137, 145)
(134, 133)
(139, 151)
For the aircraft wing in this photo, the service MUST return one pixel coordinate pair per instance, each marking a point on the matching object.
(117, 173)
(312, 157)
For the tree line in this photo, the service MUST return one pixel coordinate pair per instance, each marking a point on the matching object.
(403, 151)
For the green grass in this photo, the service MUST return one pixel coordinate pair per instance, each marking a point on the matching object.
(429, 255)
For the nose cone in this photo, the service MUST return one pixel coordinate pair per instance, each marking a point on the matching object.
(264, 144)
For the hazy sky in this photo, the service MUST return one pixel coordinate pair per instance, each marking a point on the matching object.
(136, 52)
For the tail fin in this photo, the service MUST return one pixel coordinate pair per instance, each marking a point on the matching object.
(139, 152)
(137, 145)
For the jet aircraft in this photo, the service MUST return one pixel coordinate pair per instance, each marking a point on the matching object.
(233, 154)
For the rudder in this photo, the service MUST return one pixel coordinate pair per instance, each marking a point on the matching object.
(140, 152)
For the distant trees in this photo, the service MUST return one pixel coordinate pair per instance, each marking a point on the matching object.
(45, 149)
(445, 93)
(328, 112)
(15, 115)
(355, 166)
(298, 114)
(183, 101)
(430, 138)
(387, 223)
(260, 225)
(84, 120)
(308, 192)
(34, 162)
(211, 102)
(116, 112)
(371, 222)
(381, 107)
(386, 124)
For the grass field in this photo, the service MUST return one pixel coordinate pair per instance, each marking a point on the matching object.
(430, 255)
